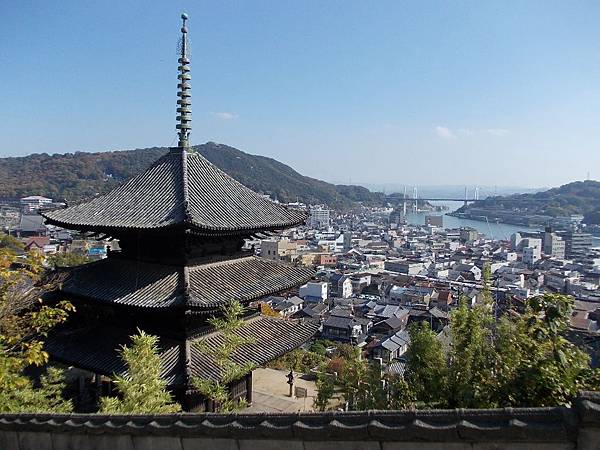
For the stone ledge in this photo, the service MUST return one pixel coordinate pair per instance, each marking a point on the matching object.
(529, 424)
(543, 425)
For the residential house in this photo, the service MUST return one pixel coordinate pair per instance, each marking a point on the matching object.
(314, 291)
(286, 307)
(468, 271)
(315, 311)
(413, 295)
(341, 285)
(390, 325)
(278, 250)
(437, 318)
(346, 329)
(36, 243)
(392, 347)
(32, 225)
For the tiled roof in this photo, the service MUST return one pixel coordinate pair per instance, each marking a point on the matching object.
(341, 322)
(181, 188)
(31, 223)
(395, 341)
(97, 350)
(522, 428)
(142, 284)
(272, 338)
(244, 279)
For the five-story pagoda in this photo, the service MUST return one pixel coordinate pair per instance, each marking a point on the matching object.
(181, 226)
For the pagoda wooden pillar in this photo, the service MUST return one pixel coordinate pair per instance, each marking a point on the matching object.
(249, 388)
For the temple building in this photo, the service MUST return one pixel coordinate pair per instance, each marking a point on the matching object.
(181, 226)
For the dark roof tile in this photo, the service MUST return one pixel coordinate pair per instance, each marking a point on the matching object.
(271, 338)
(141, 284)
(181, 188)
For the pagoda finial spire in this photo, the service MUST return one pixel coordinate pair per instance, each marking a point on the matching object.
(184, 103)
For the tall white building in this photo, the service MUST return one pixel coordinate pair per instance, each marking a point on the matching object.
(554, 245)
(531, 255)
(319, 217)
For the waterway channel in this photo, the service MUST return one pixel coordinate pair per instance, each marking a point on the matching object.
(490, 230)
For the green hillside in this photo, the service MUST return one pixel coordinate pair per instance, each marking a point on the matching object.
(579, 197)
(73, 177)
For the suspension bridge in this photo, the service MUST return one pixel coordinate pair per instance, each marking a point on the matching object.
(405, 200)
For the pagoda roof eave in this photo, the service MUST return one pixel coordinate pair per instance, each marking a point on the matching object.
(204, 289)
(181, 189)
(273, 337)
(186, 226)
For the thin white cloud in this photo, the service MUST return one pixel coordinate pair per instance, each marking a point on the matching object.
(497, 131)
(449, 133)
(444, 132)
(224, 115)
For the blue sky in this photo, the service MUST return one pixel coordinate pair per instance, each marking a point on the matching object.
(427, 92)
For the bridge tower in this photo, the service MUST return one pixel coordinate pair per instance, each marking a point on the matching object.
(415, 196)
(404, 204)
(466, 195)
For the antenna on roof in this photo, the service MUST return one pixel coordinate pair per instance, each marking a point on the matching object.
(184, 103)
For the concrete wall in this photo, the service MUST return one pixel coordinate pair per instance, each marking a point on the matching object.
(525, 428)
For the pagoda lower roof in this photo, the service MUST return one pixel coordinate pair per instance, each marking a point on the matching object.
(181, 189)
(97, 349)
(197, 287)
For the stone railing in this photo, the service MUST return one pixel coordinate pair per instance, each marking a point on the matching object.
(519, 428)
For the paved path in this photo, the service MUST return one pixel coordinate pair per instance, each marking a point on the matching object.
(270, 392)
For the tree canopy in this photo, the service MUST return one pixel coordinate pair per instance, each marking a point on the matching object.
(579, 197)
(142, 390)
(520, 360)
(25, 320)
(218, 390)
(73, 177)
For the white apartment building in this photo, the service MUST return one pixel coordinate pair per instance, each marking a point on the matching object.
(319, 217)
(554, 245)
(345, 287)
(34, 202)
(531, 255)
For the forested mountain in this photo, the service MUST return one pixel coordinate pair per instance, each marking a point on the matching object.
(73, 177)
(579, 197)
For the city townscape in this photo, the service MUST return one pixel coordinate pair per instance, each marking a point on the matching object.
(374, 274)
(198, 296)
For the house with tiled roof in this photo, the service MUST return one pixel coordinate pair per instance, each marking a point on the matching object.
(391, 347)
(36, 243)
(346, 328)
(31, 225)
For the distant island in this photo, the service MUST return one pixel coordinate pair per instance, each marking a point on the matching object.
(73, 177)
(579, 197)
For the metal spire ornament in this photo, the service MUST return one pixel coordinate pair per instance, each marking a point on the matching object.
(184, 103)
